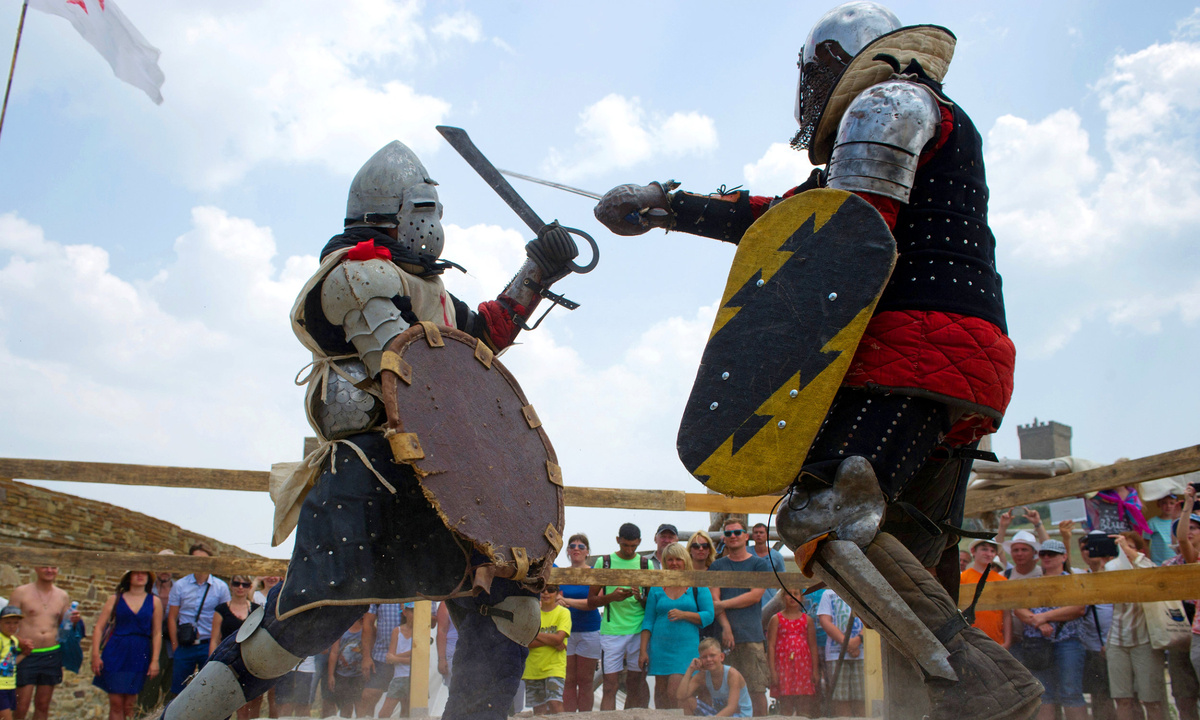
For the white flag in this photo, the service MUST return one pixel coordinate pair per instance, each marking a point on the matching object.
(102, 24)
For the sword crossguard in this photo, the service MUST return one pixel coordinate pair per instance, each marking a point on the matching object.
(545, 292)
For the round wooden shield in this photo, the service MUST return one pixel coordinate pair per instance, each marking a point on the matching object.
(459, 418)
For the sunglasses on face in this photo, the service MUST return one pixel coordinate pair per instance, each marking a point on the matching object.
(577, 546)
(700, 546)
(237, 583)
(734, 533)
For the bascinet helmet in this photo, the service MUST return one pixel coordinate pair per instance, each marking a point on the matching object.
(393, 189)
(833, 42)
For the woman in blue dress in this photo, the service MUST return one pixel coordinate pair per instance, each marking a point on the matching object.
(671, 629)
(127, 632)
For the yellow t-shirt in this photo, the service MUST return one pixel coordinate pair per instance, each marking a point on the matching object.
(8, 662)
(544, 661)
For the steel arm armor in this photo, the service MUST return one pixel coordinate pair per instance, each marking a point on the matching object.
(357, 295)
(880, 139)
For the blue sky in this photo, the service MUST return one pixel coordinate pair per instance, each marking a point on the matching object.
(149, 254)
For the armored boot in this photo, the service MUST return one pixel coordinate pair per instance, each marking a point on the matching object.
(832, 524)
(991, 684)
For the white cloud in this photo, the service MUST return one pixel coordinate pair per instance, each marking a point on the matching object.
(1050, 200)
(779, 169)
(269, 81)
(1144, 314)
(461, 25)
(617, 133)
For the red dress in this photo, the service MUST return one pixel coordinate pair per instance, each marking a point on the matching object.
(793, 662)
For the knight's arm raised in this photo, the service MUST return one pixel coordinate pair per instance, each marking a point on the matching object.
(879, 146)
(496, 322)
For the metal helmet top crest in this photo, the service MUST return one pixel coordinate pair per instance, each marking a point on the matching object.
(394, 190)
(833, 42)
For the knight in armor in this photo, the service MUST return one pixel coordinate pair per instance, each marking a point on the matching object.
(934, 369)
(365, 532)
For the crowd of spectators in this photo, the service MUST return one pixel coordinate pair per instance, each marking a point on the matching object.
(719, 650)
(1115, 659)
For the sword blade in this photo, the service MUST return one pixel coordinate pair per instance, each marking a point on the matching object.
(458, 139)
(548, 183)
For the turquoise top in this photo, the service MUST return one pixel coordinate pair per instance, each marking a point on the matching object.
(675, 643)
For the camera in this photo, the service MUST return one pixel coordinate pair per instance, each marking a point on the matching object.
(1100, 546)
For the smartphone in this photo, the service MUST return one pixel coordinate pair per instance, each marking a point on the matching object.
(1100, 546)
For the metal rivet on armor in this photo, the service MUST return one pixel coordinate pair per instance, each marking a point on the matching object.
(364, 579)
(712, 407)
(724, 376)
(330, 552)
(332, 583)
(832, 296)
(360, 547)
(761, 282)
(782, 424)
(302, 590)
(318, 547)
(794, 393)
(343, 539)
(339, 506)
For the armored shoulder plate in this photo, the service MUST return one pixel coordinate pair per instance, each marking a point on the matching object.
(880, 138)
(357, 295)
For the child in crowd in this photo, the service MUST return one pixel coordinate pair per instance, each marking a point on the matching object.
(345, 676)
(10, 655)
(792, 659)
(834, 615)
(712, 688)
(400, 657)
(546, 667)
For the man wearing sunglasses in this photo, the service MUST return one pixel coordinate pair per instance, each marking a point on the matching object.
(743, 636)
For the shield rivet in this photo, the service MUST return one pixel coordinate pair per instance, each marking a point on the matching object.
(724, 376)
(794, 393)
(712, 407)
(761, 282)
(833, 296)
(782, 424)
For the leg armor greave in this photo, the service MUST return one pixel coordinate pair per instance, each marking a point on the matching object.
(247, 665)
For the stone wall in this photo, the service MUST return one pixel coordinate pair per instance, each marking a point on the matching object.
(36, 517)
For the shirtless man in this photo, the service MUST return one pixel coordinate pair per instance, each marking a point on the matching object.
(44, 606)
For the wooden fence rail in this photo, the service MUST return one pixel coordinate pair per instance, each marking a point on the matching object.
(1179, 582)
(1153, 467)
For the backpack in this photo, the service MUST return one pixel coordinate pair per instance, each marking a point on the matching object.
(644, 564)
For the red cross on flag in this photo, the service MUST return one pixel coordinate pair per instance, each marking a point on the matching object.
(102, 24)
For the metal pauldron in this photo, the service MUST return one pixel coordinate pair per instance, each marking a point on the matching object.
(880, 139)
(358, 296)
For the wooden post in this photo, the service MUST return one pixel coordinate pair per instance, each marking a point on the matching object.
(418, 689)
(872, 673)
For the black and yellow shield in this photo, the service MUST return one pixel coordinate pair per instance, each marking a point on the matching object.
(803, 285)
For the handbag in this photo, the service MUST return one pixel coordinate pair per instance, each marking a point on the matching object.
(1037, 653)
(1167, 624)
(187, 634)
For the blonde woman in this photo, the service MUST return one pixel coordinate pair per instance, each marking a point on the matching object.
(671, 629)
(702, 552)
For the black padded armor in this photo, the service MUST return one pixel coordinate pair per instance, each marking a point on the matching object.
(947, 252)
(724, 216)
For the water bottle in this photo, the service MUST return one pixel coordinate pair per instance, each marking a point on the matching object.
(67, 625)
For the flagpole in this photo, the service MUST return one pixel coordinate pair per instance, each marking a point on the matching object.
(13, 66)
